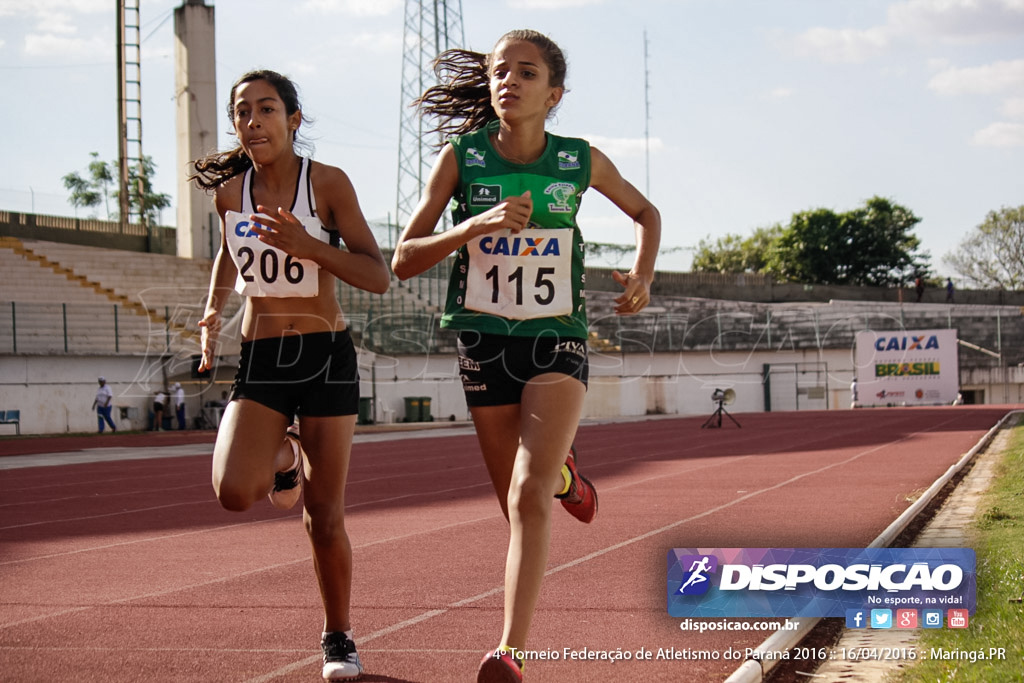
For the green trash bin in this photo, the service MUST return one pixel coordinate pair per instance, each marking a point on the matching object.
(365, 410)
(425, 415)
(412, 409)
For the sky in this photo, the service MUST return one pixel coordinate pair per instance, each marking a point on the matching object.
(742, 112)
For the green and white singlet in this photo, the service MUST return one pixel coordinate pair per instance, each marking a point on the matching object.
(530, 283)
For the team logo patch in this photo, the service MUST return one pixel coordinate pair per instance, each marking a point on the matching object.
(475, 157)
(484, 195)
(563, 194)
(568, 161)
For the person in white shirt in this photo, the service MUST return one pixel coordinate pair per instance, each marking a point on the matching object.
(103, 403)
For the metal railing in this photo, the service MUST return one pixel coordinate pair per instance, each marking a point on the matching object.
(77, 328)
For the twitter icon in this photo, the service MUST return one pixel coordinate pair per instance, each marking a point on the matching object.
(881, 618)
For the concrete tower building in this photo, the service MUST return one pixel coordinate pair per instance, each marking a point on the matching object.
(195, 85)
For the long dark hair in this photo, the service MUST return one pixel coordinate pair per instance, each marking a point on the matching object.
(212, 170)
(461, 101)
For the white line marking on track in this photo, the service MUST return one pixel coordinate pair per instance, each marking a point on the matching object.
(431, 614)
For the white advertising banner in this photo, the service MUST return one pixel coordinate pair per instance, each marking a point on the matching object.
(906, 367)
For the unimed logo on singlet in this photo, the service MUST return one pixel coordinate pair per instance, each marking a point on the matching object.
(484, 195)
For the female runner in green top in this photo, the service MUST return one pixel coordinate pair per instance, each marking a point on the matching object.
(515, 293)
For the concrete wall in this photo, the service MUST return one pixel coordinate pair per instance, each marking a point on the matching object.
(88, 232)
(761, 288)
(55, 393)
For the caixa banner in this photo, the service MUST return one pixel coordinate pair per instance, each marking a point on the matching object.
(817, 582)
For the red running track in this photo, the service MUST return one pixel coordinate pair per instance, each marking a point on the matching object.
(127, 570)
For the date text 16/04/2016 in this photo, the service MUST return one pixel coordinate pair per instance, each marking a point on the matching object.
(879, 654)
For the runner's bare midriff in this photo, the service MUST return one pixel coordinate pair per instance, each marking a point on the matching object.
(272, 316)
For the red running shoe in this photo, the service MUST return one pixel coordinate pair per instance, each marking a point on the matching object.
(581, 498)
(499, 666)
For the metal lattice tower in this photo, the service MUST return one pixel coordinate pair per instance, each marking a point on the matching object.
(431, 27)
(129, 100)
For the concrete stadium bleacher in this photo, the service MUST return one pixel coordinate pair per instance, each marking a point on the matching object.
(74, 299)
(69, 298)
(136, 302)
(676, 323)
(154, 280)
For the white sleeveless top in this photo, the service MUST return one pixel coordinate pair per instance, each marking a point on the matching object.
(267, 271)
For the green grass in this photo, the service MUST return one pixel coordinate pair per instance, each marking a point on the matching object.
(998, 540)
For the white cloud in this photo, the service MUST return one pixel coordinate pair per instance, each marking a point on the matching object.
(360, 8)
(551, 4)
(41, 7)
(55, 22)
(48, 45)
(843, 45)
(957, 19)
(925, 20)
(990, 78)
(780, 93)
(1000, 134)
(1013, 108)
(622, 147)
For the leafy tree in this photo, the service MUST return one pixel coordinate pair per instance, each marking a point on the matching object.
(809, 249)
(872, 245)
(993, 255)
(734, 254)
(141, 197)
(91, 191)
(96, 188)
(883, 249)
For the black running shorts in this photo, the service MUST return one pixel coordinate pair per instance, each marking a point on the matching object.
(495, 368)
(316, 374)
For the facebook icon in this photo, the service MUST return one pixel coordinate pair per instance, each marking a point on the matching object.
(856, 618)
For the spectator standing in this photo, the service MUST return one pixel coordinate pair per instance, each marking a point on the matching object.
(179, 404)
(949, 290)
(103, 404)
(919, 288)
(158, 410)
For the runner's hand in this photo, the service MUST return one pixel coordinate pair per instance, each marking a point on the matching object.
(281, 229)
(636, 296)
(512, 214)
(209, 332)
